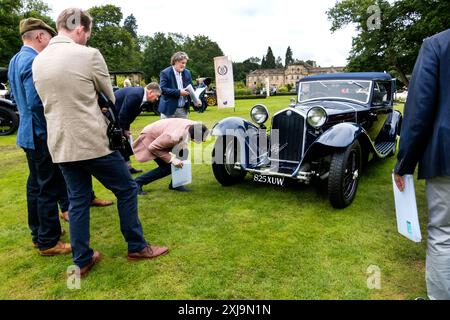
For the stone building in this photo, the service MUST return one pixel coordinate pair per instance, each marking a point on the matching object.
(287, 76)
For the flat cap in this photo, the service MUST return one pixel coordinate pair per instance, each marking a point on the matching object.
(30, 24)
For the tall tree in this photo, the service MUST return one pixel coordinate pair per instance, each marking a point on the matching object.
(289, 59)
(392, 45)
(11, 12)
(130, 24)
(157, 53)
(270, 59)
(201, 51)
(115, 42)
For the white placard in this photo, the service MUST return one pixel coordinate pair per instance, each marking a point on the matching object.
(406, 210)
(182, 176)
(224, 82)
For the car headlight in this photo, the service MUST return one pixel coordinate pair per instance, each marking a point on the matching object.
(259, 114)
(317, 116)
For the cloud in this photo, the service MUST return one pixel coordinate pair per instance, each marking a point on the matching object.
(242, 28)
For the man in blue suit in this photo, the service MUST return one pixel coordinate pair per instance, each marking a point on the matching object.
(175, 100)
(45, 180)
(128, 106)
(425, 139)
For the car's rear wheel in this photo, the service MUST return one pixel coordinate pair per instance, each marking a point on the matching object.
(9, 121)
(225, 156)
(345, 168)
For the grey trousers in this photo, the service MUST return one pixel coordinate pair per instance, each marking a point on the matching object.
(179, 113)
(438, 251)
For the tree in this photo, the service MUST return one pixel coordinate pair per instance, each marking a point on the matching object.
(269, 60)
(279, 63)
(289, 57)
(157, 53)
(241, 69)
(394, 45)
(201, 51)
(11, 12)
(120, 49)
(130, 24)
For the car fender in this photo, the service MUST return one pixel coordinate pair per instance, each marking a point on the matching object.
(341, 135)
(242, 130)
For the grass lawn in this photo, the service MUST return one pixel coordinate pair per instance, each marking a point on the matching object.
(242, 242)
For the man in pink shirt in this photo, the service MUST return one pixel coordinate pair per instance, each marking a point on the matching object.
(157, 141)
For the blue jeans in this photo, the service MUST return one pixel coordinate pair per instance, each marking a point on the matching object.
(164, 169)
(112, 172)
(44, 186)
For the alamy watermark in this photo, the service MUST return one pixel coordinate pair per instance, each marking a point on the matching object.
(373, 277)
(374, 21)
(73, 278)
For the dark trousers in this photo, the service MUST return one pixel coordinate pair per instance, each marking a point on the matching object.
(44, 186)
(113, 173)
(164, 169)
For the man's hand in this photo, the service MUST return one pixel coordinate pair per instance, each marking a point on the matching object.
(177, 163)
(400, 182)
(184, 93)
(126, 133)
(199, 104)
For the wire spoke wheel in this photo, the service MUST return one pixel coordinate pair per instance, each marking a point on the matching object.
(345, 168)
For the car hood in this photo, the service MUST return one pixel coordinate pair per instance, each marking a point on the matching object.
(332, 106)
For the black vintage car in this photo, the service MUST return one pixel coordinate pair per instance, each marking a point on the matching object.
(337, 124)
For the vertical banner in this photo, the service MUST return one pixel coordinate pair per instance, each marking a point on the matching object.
(267, 87)
(224, 82)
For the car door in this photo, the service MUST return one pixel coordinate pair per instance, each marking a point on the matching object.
(380, 108)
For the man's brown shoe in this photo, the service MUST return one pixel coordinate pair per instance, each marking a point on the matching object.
(64, 216)
(101, 203)
(95, 259)
(149, 252)
(59, 249)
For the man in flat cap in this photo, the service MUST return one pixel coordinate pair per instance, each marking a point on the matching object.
(45, 179)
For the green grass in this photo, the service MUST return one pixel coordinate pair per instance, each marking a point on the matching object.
(242, 242)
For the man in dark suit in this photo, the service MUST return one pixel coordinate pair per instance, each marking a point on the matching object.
(128, 107)
(425, 139)
(175, 100)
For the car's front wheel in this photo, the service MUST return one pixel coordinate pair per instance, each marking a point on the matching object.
(225, 156)
(345, 169)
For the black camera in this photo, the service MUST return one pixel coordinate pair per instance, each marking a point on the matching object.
(114, 132)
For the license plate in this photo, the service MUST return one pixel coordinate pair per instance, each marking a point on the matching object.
(276, 181)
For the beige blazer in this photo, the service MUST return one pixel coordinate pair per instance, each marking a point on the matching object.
(67, 77)
(158, 139)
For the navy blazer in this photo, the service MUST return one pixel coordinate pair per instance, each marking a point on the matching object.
(128, 105)
(425, 135)
(170, 94)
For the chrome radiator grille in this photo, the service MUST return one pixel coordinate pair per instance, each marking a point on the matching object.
(290, 126)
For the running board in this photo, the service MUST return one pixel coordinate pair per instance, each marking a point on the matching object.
(385, 147)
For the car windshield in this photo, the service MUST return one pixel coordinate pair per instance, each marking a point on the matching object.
(356, 90)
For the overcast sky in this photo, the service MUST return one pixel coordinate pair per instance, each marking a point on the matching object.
(242, 28)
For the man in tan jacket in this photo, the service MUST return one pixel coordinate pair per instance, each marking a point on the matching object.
(68, 76)
(157, 141)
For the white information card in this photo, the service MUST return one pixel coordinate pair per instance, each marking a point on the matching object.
(182, 176)
(406, 210)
